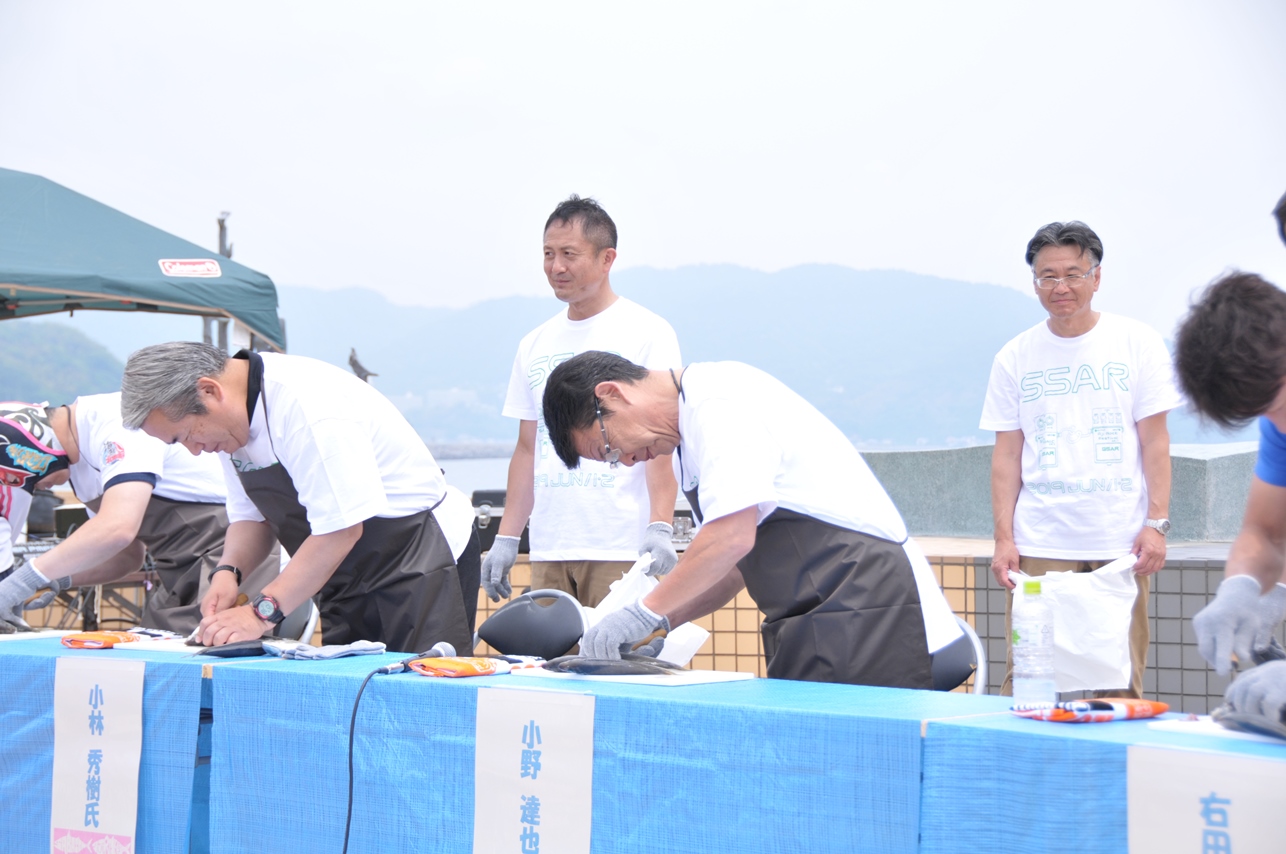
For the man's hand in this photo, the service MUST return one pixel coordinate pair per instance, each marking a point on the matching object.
(232, 625)
(49, 593)
(658, 540)
(1229, 624)
(1271, 608)
(495, 567)
(1260, 691)
(1149, 548)
(1004, 560)
(621, 629)
(14, 593)
(222, 594)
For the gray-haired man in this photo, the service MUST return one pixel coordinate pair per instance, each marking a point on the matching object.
(321, 461)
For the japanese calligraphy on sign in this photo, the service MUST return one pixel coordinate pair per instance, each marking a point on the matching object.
(98, 736)
(533, 771)
(1206, 801)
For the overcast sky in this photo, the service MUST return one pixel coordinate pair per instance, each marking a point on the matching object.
(417, 148)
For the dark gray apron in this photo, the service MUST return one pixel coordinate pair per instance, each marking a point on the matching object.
(839, 605)
(399, 584)
(185, 540)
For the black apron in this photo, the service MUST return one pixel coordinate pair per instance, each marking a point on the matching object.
(399, 584)
(185, 540)
(839, 605)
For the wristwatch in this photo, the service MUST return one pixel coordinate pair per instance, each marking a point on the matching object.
(1161, 525)
(267, 609)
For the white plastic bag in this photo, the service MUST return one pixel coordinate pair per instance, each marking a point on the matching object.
(681, 643)
(1091, 624)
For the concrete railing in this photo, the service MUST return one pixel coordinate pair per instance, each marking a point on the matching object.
(948, 493)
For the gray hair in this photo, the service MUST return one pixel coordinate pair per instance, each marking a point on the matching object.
(164, 377)
(1074, 233)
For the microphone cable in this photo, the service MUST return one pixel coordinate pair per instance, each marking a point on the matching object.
(441, 649)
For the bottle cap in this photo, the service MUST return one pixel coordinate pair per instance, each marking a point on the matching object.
(1031, 588)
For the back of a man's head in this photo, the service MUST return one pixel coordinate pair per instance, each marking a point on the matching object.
(1230, 353)
(1074, 233)
(594, 222)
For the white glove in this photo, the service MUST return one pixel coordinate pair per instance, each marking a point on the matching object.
(14, 592)
(51, 591)
(1260, 691)
(496, 565)
(1229, 624)
(619, 630)
(658, 540)
(1270, 607)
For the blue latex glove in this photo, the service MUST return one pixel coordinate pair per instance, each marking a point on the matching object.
(51, 591)
(1260, 691)
(620, 630)
(658, 540)
(1229, 624)
(496, 565)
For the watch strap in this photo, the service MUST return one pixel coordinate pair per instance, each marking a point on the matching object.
(275, 616)
(225, 566)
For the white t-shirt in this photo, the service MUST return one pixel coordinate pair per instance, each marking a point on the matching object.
(1078, 401)
(595, 512)
(748, 440)
(349, 451)
(111, 454)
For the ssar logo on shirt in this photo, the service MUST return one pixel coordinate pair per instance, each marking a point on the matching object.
(112, 453)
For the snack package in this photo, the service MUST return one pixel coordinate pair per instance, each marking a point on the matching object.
(460, 665)
(1094, 711)
(108, 639)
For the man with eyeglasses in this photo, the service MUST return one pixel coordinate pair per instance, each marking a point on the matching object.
(788, 510)
(588, 526)
(1080, 474)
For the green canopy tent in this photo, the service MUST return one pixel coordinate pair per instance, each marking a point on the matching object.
(62, 251)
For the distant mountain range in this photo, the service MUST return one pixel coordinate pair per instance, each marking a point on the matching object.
(897, 360)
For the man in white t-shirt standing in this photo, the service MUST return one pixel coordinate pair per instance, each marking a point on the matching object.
(587, 526)
(1080, 474)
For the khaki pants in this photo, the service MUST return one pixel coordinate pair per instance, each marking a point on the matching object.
(1140, 635)
(587, 580)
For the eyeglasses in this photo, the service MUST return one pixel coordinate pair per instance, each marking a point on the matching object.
(1048, 282)
(611, 456)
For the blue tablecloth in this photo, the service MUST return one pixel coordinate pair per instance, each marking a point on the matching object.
(1002, 783)
(758, 766)
(171, 718)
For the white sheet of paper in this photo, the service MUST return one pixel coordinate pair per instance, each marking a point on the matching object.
(1189, 800)
(1206, 725)
(40, 633)
(98, 739)
(533, 771)
(669, 680)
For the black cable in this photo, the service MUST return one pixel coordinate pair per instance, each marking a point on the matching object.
(352, 729)
(438, 650)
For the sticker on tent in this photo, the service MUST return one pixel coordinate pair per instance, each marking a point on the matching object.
(190, 268)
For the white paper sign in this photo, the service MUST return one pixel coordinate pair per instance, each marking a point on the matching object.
(533, 772)
(1212, 803)
(98, 737)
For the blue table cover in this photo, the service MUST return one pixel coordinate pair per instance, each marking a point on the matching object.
(757, 766)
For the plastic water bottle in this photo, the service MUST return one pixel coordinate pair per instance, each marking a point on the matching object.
(1033, 648)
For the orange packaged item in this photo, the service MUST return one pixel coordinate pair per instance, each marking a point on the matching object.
(100, 640)
(459, 666)
(1095, 711)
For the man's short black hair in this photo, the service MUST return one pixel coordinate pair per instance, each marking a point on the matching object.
(570, 403)
(1230, 353)
(595, 224)
(1074, 233)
